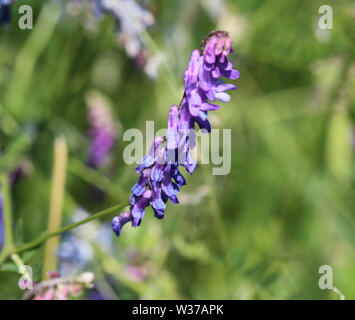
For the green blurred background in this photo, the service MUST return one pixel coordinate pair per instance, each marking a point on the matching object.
(260, 232)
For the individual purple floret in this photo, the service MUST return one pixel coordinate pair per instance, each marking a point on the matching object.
(119, 221)
(160, 178)
(102, 133)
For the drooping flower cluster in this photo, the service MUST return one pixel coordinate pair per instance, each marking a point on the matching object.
(5, 12)
(160, 178)
(102, 132)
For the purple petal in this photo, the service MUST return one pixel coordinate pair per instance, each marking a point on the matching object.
(230, 74)
(157, 203)
(216, 73)
(225, 87)
(138, 209)
(204, 124)
(222, 96)
(178, 177)
(209, 106)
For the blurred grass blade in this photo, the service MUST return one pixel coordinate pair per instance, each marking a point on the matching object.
(56, 205)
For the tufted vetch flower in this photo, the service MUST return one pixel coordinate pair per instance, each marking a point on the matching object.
(160, 177)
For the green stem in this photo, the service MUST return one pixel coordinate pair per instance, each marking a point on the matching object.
(17, 260)
(5, 189)
(37, 242)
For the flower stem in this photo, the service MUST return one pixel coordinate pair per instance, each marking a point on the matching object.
(37, 242)
(17, 260)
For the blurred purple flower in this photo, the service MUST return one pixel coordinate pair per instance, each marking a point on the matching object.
(137, 273)
(160, 178)
(22, 170)
(102, 133)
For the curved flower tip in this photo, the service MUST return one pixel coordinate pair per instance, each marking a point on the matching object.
(119, 221)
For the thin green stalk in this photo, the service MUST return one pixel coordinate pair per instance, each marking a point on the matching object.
(5, 190)
(3, 255)
(17, 260)
(37, 242)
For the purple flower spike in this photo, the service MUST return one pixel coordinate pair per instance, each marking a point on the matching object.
(160, 178)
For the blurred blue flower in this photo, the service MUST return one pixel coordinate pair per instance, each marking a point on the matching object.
(73, 255)
(5, 12)
(75, 249)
